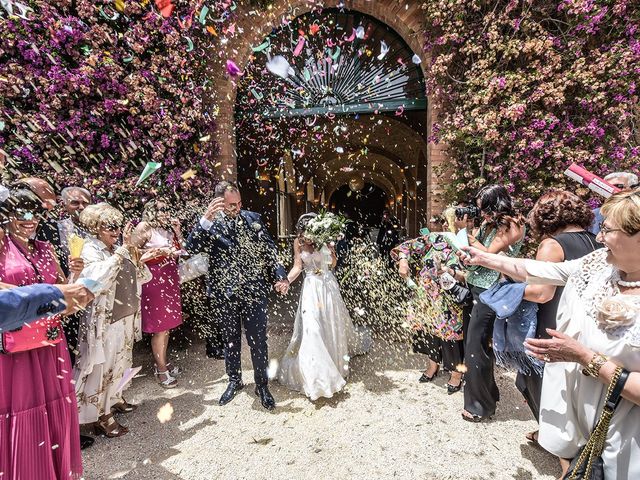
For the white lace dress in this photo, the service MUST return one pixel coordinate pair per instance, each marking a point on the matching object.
(571, 402)
(316, 362)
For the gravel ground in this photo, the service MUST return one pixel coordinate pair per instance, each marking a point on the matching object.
(383, 425)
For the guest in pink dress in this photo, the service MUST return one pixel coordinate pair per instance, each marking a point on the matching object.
(38, 413)
(159, 237)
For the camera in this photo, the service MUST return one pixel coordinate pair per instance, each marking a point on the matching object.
(471, 212)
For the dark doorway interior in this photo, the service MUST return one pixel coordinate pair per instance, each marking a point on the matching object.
(364, 207)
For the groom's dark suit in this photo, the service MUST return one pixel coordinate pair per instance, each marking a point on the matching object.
(243, 267)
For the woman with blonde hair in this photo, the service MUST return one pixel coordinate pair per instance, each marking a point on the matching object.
(598, 331)
(159, 237)
(111, 324)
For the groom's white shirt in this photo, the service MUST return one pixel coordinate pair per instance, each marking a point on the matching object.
(205, 223)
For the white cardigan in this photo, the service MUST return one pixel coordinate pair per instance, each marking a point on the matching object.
(571, 402)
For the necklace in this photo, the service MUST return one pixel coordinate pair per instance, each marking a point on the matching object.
(624, 283)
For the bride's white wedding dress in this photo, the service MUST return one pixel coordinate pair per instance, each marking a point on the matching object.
(317, 359)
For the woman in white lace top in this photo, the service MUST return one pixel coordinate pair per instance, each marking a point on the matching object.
(598, 325)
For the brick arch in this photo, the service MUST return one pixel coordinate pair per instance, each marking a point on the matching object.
(407, 22)
(404, 17)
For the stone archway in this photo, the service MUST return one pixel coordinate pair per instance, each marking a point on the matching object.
(404, 18)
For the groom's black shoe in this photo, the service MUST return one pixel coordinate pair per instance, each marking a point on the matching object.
(232, 389)
(265, 397)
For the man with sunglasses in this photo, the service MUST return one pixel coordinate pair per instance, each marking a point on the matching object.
(621, 180)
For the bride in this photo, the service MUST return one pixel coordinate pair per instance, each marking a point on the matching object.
(317, 358)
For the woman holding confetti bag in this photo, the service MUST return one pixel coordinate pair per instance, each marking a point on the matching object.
(437, 313)
(316, 362)
(160, 239)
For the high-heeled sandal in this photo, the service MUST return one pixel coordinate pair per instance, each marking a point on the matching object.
(174, 371)
(426, 378)
(124, 407)
(168, 382)
(532, 437)
(109, 427)
(451, 389)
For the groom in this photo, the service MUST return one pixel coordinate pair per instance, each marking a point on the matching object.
(242, 260)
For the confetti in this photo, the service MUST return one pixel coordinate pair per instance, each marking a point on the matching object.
(165, 413)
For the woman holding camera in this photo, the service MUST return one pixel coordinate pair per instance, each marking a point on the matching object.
(501, 230)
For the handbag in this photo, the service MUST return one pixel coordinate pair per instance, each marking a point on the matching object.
(460, 294)
(126, 300)
(40, 333)
(588, 464)
(193, 267)
(45, 332)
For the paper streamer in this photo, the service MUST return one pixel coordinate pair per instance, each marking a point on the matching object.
(256, 94)
(591, 181)
(263, 46)
(149, 169)
(232, 69)
(128, 375)
(384, 49)
(203, 14)
(189, 44)
(299, 47)
(352, 37)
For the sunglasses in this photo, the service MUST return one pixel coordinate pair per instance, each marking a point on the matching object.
(28, 215)
(622, 186)
(112, 228)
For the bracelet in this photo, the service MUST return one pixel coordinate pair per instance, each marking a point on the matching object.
(595, 364)
(402, 256)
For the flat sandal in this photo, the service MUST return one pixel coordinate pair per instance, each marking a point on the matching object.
(109, 427)
(124, 407)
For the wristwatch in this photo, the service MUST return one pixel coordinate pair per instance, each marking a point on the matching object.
(595, 364)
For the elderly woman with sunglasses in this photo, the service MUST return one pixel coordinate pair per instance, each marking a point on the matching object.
(112, 323)
(38, 417)
(598, 329)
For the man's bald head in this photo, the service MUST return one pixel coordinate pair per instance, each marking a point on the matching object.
(42, 189)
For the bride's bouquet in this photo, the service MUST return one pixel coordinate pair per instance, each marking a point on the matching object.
(325, 229)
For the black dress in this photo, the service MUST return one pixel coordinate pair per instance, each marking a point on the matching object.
(574, 245)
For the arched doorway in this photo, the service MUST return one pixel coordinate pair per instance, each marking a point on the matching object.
(331, 97)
